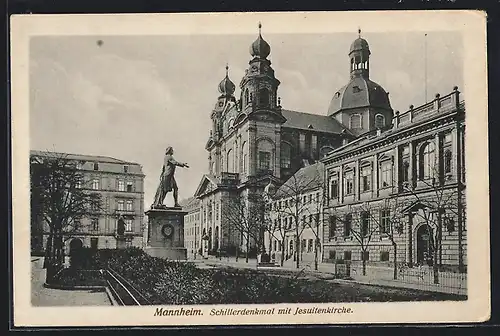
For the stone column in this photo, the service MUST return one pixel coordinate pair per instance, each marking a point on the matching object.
(409, 242)
(412, 164)
(357, 180)
(395, 168)
(376, 169)
(252, 151)
(341, 184)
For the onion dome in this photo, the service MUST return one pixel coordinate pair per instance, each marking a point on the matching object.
(260, 48)
(226, 86)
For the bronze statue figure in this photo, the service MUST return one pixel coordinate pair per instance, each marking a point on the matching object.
(167, 179)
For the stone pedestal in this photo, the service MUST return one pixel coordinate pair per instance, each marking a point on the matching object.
(166, 233)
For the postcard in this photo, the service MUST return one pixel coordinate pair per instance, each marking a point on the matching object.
(250, 168)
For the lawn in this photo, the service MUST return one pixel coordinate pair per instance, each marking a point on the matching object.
(170, 282)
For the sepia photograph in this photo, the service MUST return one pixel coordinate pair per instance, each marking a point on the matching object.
(215, 171)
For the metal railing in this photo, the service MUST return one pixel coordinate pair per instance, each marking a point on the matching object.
(122, 290)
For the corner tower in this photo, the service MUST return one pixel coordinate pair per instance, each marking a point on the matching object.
(362, 105)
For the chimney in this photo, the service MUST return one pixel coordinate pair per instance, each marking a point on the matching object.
(396, 120)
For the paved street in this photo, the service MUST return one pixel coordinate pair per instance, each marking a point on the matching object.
(41, 296)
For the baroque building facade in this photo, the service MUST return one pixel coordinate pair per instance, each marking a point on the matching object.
(119, 222)
(192, 239)
(254, 141)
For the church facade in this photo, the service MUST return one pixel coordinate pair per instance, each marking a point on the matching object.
(254, 141)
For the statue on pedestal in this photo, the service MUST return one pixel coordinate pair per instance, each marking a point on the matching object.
(167, 180)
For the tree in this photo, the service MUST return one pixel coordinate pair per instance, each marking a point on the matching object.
(61, 198)
(246, 215)
(295, 201)
(437, 203)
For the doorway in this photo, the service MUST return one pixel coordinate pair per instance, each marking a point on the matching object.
(424, 245)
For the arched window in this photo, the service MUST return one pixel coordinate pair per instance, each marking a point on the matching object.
(244, 156)
(379, 121)
(246, 97)
(427, 161)
(355, 122)
(263, 97)
(286, 155)
(230, 161)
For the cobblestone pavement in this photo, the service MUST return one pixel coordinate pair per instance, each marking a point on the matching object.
(41, 296)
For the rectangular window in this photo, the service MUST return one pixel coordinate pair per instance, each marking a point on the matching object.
(125, 169)
(96, 165)
(314, 145)
(349, 183)
(365, 223)
(405, 172)
(130, 205)
(264, 160)
(347, 225)
(275, 245)
(310, 245)
(366, 179)
(95, 224)
(386, 174)
(78, 184)
(331, 255)
(121, 205)
(305, 199)
(94, 243)
(347, 255)
(302, 142)
(130, 186)
(332, 226)
(303, 245)
(121, 185)
(447, 160)
(128, 225)
(310, 198)
(384, 256)
(317, 197)
(385, 223)
(334, 189)
(95, 184)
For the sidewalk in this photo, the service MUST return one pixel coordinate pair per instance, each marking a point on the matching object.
(41, 296)
(325, 269)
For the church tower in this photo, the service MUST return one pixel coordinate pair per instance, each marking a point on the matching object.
(259, 86)
(362, 105)
(225, 102)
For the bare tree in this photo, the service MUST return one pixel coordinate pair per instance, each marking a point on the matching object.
(437, 203)
(60, 197)
(246, 216)
(295, 200)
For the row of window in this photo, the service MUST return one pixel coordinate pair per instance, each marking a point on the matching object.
(192, 218)
(287, 223)
(192, 231)
(94, 224)
(305, 199)
(125, 205)
(428, 169)
(307, 245)
(356, 121)
(365, 228)
(365, 255)
(79, 165)
(122, 185)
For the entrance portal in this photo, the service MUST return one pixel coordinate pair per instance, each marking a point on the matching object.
(424, 245)
(74, 246)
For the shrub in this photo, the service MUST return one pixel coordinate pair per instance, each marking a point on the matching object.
(74, 277)
(265, 258)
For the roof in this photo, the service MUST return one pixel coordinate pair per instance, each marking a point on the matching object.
(82, 157)
(321, 123)
(359, 92)
(359, 44)
(190, 203)
(305, 179)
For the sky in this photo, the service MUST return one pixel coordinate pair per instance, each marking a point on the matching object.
(129, 97)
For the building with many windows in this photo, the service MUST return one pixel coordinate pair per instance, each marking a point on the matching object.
(296, 217)
(254, 141)
(192, 241)
(119, 221)
(398, 193)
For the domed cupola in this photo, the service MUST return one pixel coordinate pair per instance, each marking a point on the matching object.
(226, 86)
(260, 48)
(361, 104)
